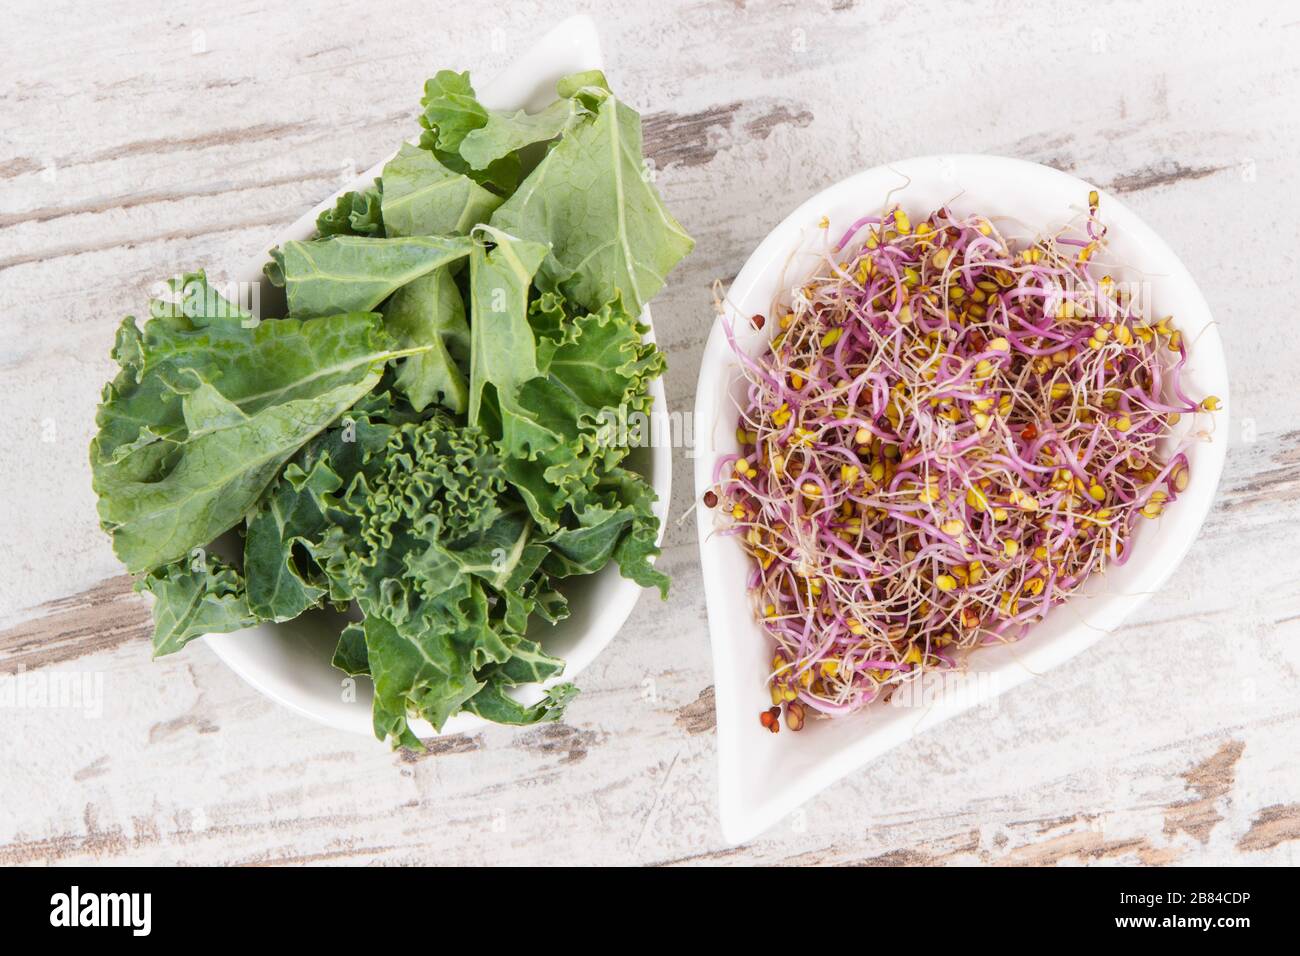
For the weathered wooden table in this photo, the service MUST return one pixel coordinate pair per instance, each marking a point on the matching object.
(138, 143)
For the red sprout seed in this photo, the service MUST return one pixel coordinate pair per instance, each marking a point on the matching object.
(794, 715)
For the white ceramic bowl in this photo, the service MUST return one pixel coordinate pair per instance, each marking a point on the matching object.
(761, 776)
(290, 662)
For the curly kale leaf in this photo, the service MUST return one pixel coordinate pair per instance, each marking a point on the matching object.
(425, 674)
(199, 335)
(499, 147)
(603, 359)
(355, 273)
(505, 134)
(529, 665)
(409, 540)
(447, 572)
(282, 534)
(494, 703)
(591, 203)
(422, 197)
(196, 328)
(208, 407)
(195, 595)
(279, 586)
(614, 520)
(430, 313)
(503, 353)
(451, 111)
(576, 420)
(355, 213)
(350, 655)
(433, 484)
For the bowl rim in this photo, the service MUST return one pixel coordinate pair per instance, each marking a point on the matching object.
(571, 46)
(744, 814)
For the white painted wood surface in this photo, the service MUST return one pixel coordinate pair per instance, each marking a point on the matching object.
(142, 139)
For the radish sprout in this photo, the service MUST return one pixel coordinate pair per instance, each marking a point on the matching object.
(948, 434)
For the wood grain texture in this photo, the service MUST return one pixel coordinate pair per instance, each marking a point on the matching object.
(163, 138)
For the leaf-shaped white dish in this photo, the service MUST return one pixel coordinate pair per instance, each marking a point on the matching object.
(763, 777)
(290, 662)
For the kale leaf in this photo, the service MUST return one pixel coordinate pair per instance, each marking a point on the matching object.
(430, 438)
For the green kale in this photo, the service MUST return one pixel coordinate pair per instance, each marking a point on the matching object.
(424, 440)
